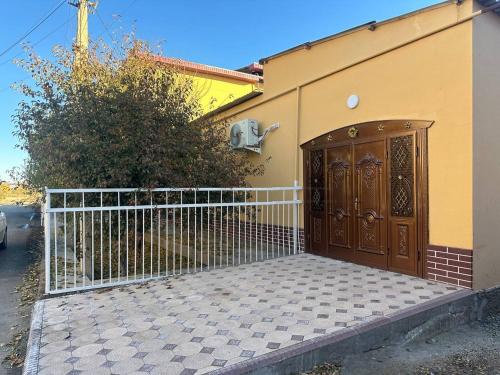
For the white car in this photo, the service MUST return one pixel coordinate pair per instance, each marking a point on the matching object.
(3, 230)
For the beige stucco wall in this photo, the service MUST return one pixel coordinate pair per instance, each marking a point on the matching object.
(294, 68)
(486, 82)
(428, 79)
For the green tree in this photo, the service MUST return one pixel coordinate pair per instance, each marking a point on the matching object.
(119, 119)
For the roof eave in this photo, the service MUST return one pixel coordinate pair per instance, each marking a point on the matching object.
(208, 69)
(308, 45)
(369, 25)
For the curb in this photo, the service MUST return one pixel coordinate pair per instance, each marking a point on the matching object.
(34, 340)
(453, 309)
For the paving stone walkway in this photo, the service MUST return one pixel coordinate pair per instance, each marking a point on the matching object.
(198, 323)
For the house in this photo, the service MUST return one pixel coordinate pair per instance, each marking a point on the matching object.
(392, 128)
(215, 86)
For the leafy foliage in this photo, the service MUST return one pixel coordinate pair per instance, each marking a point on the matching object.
(119, 119)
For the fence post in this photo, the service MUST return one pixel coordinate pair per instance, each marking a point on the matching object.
(46, 223)
(295, 217)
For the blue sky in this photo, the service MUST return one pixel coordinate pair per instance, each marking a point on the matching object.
(226, 33)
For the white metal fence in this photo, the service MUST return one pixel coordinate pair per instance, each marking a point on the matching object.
(105, 237)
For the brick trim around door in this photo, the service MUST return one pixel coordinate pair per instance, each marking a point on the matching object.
(450, 265)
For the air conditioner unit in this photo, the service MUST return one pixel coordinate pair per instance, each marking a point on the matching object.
(245, 135)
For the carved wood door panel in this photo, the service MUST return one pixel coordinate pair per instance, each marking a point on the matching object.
(339, 202)
(366, 195)
(402, 203)
(317, 207)
(370, 240)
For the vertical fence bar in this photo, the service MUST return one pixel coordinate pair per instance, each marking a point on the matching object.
(215, 234)
(46, 222)
(272, 228)
(256, 222)
(101, 250)
(283, 222)
(55, 250)
(239, 234)
(83, 238)
(208, 231)
(261, 231)
(267, 225)
(227, 236)
(295, 217)
(166, 233)
(92, 247)
(220, 234)
(174, 260)
(250, 229)
(288, 227)
(74, 249)
(201, 238)
(246, 222)
(143, 244)
(151, 229)
(159, 247)
(126, 243)
(233, 230)
(135, 236)
(110, 247)
(119, 238)
(188, 233)
(195, 229)
(181, 242)
(65, 245)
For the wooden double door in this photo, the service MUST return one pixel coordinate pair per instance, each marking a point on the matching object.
(364, 197)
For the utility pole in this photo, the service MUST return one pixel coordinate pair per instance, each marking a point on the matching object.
(82, 26)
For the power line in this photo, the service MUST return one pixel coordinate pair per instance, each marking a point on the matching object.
(107, 27)
(68, 20)
(39, 41)
(33, 28)
(124, 12)
(132, 2)
(104, 25)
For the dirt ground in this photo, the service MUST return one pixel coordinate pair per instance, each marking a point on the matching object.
(472, 349)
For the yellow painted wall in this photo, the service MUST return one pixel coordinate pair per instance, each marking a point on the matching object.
(214, 91)
(295, 68)
(430, 79)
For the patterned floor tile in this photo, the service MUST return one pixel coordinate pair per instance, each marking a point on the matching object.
(201, 322)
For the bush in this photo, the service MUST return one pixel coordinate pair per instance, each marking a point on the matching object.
(119, 119)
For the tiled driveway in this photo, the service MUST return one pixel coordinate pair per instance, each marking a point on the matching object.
(202, 322)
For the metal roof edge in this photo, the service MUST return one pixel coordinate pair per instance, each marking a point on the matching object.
(207, 69)
(308, 45)
(489, 3)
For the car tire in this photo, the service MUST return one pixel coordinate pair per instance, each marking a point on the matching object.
(3, 244)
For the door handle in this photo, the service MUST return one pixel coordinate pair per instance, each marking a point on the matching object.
(356, 204)
(370, 217)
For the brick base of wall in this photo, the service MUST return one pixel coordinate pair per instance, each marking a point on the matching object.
(450, 265)
(264, 234)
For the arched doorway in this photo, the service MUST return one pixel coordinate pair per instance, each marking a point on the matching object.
(365, 194)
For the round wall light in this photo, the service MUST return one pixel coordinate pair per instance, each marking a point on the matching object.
(352, 101)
